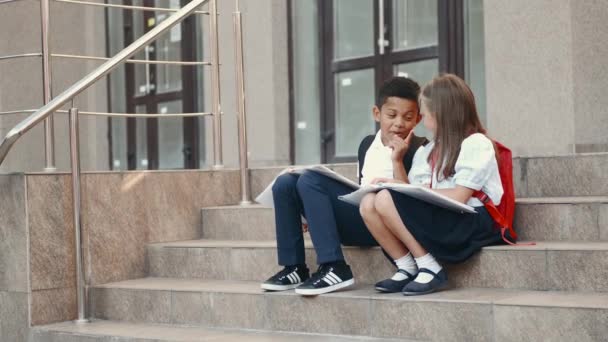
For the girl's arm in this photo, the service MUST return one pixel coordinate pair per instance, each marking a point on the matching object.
(460, 193)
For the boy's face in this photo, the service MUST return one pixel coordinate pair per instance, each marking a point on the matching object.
(397, 117)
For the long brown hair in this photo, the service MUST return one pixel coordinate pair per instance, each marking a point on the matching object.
(452, 103)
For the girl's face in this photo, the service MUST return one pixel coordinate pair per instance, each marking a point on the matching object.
(428, 119)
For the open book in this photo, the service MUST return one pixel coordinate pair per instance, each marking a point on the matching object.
(416, 191)
(354, 198)
(265, 198)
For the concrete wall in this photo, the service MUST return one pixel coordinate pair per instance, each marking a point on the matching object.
(546, 75)
(73, 30)
(590, 73)
(14, 257)
(266, 81)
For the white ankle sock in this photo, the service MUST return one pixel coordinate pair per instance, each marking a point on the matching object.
(406, 263)
(427, 261)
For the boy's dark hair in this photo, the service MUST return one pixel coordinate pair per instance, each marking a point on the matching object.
(398, 86)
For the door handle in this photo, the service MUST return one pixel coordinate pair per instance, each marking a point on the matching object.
(327, 136)
(382, 42)
(187, 151)
(149, 86)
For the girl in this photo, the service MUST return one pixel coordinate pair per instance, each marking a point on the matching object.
(458, 161)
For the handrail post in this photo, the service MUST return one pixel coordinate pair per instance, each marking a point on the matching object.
(218, 162)
(240, 105)
(49, 126)
(75, 164)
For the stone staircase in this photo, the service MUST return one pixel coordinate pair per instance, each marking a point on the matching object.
(208, 289)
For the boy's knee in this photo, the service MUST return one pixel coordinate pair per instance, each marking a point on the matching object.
(285, 183)
(307, 179)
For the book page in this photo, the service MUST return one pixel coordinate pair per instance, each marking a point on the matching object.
(265, 198)
(416, 191)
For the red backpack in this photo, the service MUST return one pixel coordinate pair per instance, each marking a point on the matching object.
(504, 212)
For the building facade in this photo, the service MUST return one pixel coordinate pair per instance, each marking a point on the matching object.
(312, 69)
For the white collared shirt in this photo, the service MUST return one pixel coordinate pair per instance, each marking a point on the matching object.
(476, 168)
(378, 162)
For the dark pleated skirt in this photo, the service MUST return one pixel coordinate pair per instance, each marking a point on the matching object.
(449, 236)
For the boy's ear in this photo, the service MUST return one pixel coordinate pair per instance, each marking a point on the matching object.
(419, 118)
(376, 113)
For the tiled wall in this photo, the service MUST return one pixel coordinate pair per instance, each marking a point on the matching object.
(121, 213)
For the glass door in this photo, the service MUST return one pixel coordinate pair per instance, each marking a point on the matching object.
(156, 88)
(365, 43)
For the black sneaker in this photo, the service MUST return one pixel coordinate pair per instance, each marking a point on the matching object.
(288, 278)
(329, 277)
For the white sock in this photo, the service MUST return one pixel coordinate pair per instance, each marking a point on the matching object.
(427, 261)
(406, 263)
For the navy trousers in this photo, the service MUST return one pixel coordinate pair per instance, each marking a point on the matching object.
(331, 222)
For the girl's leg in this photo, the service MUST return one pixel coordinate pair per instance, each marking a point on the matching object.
(385, 237)
(431, 276)
(392, 245)
(385, 207)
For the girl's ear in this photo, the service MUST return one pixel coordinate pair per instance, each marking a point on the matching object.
(376, 113)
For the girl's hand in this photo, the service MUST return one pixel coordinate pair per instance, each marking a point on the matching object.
(400, 146)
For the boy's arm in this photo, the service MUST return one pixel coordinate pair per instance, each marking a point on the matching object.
(399, 171)
(400, 148)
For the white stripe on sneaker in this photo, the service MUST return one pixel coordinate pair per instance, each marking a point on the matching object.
(297, 276)
(292, 279)
(334, 277)
(329, 280)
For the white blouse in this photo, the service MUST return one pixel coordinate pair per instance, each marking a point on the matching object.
(476, 168)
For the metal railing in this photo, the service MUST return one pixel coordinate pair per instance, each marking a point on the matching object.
(53, 105)
(49, 140)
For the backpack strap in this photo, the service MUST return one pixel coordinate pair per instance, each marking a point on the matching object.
(499, 219)
(492, 210)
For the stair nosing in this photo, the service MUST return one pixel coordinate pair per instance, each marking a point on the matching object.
(262, 244)
(473, 295)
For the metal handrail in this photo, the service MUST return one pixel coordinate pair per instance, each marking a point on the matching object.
(126, 115)
(24, 111)
(14, 134)
(54, 105)
(133, 61)
(33, 54)
(127, 7)
(137, 115)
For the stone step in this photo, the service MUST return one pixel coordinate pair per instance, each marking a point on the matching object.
(251, 222)
(111, 331)
(562, 218)
(582, 174)
(456, 315)
(536, 219)
(579, 266)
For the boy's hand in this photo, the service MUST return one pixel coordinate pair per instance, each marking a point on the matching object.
(304, 227)
(400, 146)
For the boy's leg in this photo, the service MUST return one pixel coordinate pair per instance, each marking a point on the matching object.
(331, 222)
(325, 214)
(288, 211)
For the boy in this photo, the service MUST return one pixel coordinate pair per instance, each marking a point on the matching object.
(331, 222)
